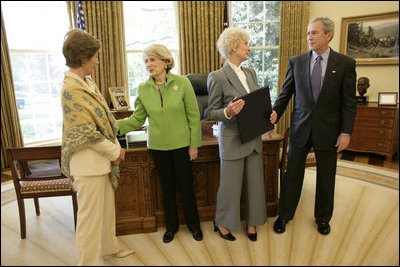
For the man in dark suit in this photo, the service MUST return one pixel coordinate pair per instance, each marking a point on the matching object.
(324, 86)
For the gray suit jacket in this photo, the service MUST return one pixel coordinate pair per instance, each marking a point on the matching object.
(223, 86)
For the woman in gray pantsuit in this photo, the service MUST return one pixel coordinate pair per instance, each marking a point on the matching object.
(241, 164)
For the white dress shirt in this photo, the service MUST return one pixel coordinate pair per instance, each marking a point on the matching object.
(242, 78)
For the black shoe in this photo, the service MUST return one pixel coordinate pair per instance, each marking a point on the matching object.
(168, 236)
(280, 225)
(252, 237)
(324, 228)
(228, 236)
(198, 235)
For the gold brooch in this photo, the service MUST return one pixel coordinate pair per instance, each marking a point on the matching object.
(175, 88)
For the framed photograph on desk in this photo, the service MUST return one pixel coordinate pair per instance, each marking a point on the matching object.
(387, 99)
(118, 98)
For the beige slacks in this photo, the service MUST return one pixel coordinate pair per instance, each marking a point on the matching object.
(95, 230)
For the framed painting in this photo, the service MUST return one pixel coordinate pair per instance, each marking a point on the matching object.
(118, 98)
(371, 39)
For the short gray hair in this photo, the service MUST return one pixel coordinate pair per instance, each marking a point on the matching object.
(160, 51)
(327, 24)
(230, 39)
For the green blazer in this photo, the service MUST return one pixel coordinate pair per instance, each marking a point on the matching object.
(174, 118)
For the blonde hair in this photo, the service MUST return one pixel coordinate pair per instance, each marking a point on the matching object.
(160, 51)
(230, 39)
(79, 47)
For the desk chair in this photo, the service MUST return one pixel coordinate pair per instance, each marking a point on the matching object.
(38, 182)
(199, 83)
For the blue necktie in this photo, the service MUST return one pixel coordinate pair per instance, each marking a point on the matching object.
(316, 78)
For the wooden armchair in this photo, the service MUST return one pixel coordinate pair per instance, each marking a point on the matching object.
(38, 182)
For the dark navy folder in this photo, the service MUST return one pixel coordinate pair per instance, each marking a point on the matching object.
(253, 119)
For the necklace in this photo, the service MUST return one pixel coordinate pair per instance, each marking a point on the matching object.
(159, 93)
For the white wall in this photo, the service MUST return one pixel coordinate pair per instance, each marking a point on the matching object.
(383, 78)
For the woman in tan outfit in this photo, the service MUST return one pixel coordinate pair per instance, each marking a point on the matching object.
(90, 150)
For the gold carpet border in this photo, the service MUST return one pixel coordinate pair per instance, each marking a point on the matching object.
(364, 173)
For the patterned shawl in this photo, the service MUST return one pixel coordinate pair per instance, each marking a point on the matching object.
(86, 120)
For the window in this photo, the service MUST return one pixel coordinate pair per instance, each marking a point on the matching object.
(146, 23)
(35, 37)
(261, 19)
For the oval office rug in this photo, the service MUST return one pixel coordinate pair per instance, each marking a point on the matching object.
(365, 231)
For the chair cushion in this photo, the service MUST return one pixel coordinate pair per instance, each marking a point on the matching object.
(199, 82)
(45, 186)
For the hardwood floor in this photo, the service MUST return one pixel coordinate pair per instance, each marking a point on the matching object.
(371, 159)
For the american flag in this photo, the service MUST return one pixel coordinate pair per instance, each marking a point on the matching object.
(80, 18)
(226, 24)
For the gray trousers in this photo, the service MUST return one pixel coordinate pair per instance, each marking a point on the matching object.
(247, 171)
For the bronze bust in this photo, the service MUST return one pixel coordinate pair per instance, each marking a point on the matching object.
(362, 85)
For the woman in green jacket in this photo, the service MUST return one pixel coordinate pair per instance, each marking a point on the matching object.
(174, 134)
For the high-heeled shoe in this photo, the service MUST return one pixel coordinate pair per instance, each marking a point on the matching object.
(252, 237)
(228, 236)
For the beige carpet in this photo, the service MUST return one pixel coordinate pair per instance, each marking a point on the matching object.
(365, 231)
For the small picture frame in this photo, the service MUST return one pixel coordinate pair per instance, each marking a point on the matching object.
(387, 99)
(118, 98)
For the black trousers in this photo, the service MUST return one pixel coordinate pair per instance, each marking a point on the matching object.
(175, 165)
(293, 182)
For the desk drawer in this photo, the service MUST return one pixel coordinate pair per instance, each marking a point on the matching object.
(372, 133)
(375, 112)
(372, 122)
(371, 145)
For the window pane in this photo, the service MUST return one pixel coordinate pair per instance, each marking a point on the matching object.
(272, 33)
(37, 65)
(256, 9)
(239, 11)
(271, 70)
(31, 20)
(256, 34)
(137, 72)
(272, 10)
(148, 22)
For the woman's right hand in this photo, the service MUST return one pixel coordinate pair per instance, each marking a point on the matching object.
(273, 117)
(234, 107)
(120, 158)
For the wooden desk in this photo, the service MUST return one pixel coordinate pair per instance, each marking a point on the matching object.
(120, 114)
(139, 207)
